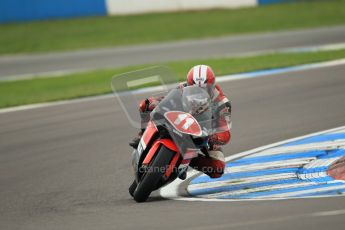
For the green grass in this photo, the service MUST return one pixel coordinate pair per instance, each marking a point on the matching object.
(98, 82)
(92, 32)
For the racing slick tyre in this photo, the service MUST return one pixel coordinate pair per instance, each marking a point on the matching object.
(132, 188)
(153, 176)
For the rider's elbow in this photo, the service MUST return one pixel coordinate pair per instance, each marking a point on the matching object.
(223, 138)
(226, 137)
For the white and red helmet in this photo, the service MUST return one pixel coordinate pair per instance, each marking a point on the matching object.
(202, 76)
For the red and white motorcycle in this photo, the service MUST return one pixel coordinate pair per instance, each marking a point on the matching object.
(176, 133)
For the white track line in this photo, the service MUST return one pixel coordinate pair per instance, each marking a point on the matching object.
(298, 193)
(281, 70)
(321, 163)
(270, 165)
(259, 189)
(303, 148)
(220, 79)
(340, 131)
(237, 181)
(329, 213)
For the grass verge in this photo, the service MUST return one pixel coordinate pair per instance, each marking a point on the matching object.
(92, 32)
(98, 82)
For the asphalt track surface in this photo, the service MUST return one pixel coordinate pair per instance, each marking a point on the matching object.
(68, 166)
(45, 64)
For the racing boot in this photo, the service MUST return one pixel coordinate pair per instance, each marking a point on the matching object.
(135, 142)
(182, 174)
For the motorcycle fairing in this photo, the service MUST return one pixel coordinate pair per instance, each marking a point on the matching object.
(166, 142)
(150, 131)
(183, 122)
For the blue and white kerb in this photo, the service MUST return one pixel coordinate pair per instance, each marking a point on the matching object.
(290, 170)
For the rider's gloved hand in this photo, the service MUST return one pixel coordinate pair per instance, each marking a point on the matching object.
(143, 105)
(149, 104)
(220, 138)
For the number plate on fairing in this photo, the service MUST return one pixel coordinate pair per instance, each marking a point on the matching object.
(184, 122)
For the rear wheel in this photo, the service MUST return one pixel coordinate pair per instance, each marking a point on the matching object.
(155, 173)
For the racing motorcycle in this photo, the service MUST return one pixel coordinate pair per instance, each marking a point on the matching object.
(176, 133)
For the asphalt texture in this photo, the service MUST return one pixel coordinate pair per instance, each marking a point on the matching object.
(68, 166)
(45, 64)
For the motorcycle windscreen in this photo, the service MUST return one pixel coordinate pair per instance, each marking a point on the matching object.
(187, 115)
(132, 87)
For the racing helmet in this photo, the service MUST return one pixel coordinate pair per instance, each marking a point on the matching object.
(202, 76)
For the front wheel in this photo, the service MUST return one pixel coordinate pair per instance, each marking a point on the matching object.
(132, 188)
(154, 175)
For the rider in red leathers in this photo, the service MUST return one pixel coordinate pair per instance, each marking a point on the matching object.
(213, 163)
